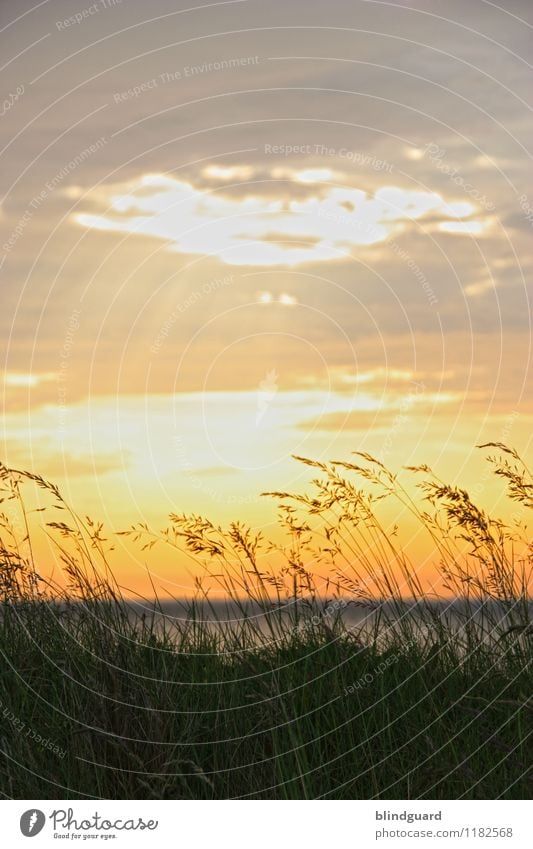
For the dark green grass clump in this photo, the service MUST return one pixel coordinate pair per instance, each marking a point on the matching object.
(134, 716)
(283, 696)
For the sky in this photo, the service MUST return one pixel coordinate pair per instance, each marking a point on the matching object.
(233, 232)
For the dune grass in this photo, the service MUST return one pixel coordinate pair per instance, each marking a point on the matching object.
(278, 693)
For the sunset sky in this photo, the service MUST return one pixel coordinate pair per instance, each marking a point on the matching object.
(244, 230)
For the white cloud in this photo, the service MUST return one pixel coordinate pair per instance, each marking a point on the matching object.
(228, 172)
(284, 298)
(287, 300)
(473, 290)
(20, 380)
(467, 228)
(306, 175)
(257, 230)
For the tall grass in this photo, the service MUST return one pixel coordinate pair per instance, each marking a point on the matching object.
(279, 691)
